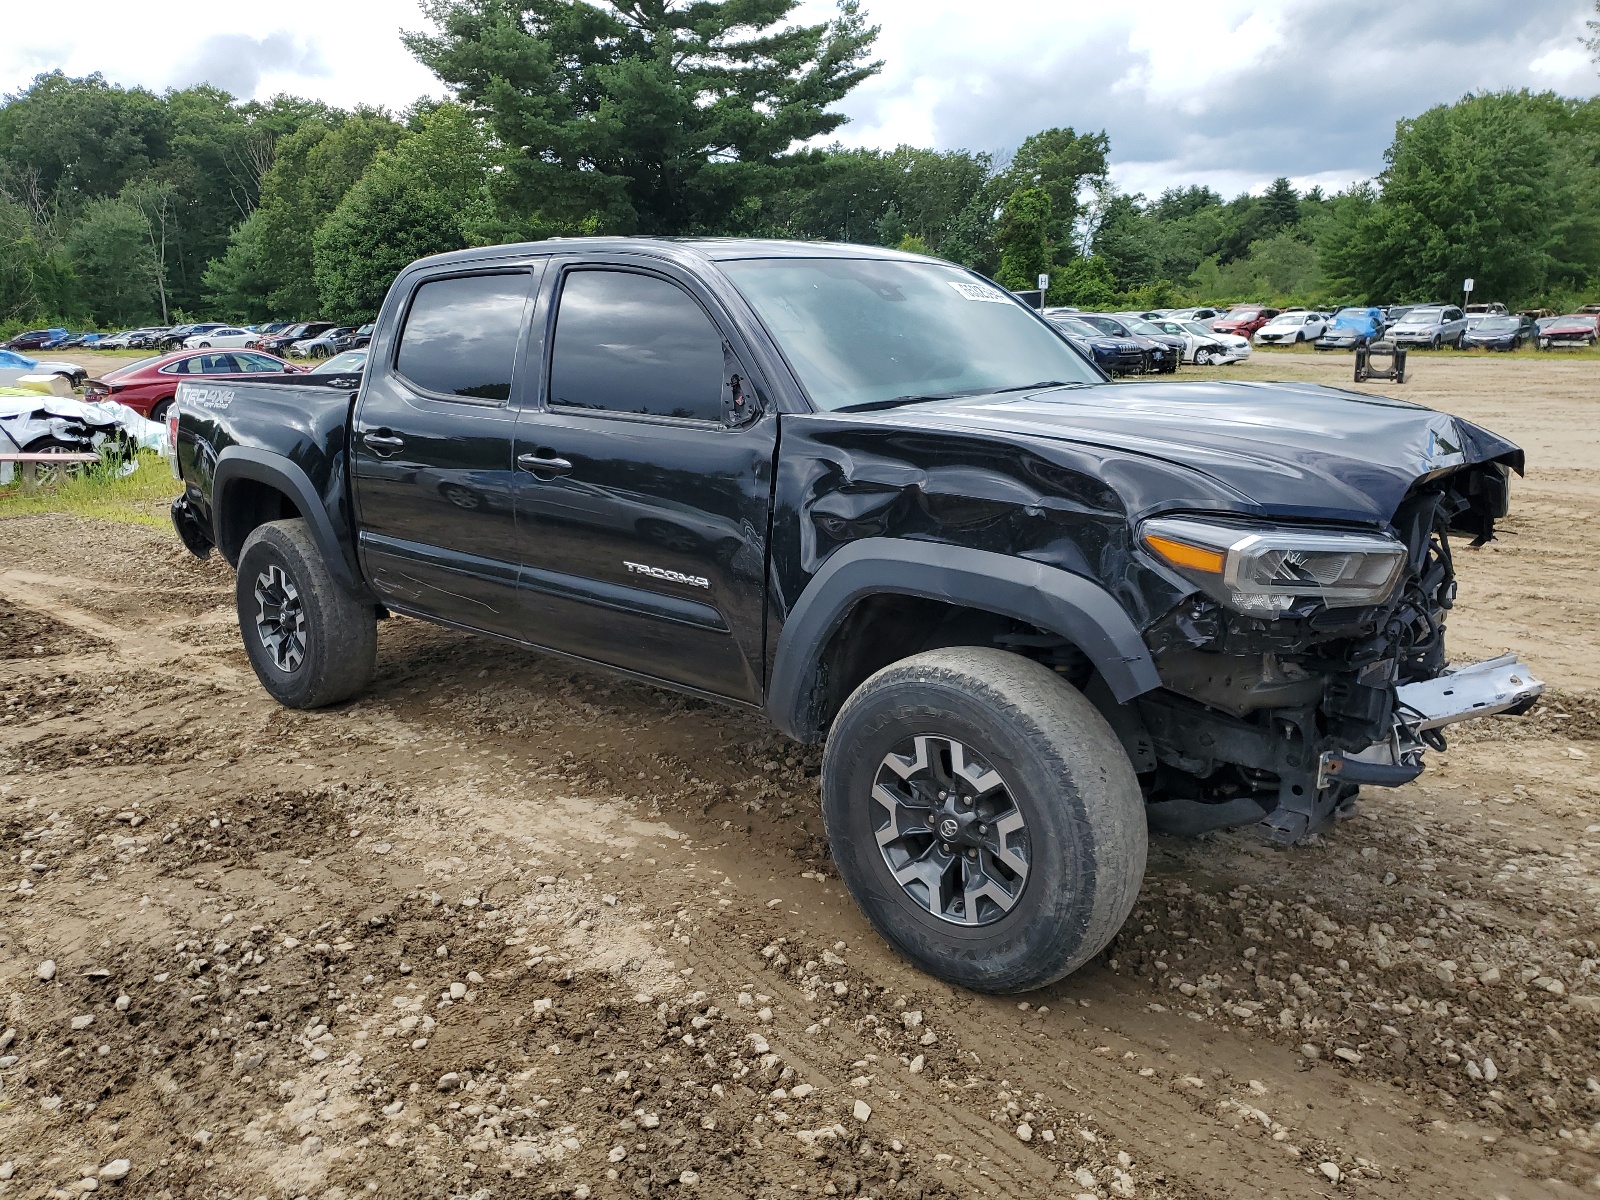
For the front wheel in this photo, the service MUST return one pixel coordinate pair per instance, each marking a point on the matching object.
(984, 816)
(311, 643)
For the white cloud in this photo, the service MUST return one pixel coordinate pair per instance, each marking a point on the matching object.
(1230, 93)
(347, 52)
(1226, 92)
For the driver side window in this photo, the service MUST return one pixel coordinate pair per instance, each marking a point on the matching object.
(632, 343)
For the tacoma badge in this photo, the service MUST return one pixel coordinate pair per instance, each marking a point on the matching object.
(699, 581)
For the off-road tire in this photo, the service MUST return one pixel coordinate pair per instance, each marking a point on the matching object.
(1068, 776)
(340, 633)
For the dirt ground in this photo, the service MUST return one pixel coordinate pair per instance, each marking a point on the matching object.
(503, 927)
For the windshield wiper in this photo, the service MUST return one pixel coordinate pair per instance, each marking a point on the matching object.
(897, 401)
(1043, 383)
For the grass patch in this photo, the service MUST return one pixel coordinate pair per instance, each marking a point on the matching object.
(141, 498)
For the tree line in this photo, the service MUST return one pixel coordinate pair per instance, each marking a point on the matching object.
(120, 206)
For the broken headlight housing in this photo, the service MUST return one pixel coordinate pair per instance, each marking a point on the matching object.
(1262, 570)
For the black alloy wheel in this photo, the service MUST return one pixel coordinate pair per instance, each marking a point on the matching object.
(949, 831)
(280, 619)
(311, 642)
(984, 816)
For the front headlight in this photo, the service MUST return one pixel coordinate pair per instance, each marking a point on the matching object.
(1262, 569)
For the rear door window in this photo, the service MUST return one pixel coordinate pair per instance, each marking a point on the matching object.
(632, 343)
(257, 362)
(460, 336)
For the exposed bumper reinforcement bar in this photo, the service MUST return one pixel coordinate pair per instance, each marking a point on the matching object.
(1499, 685)
(1486, 689)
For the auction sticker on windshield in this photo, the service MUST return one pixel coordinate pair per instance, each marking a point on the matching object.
(977, 291)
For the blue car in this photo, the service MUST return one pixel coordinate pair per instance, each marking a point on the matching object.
(1351, 327)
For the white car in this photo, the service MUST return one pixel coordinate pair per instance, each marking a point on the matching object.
(1201, 348)
(228, 335)
(1292, 328)
(1233, 347)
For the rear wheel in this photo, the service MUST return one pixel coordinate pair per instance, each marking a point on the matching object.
(158, 410)
(311, 642)
(984, 816)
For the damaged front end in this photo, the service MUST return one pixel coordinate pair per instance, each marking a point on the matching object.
(1309, 661)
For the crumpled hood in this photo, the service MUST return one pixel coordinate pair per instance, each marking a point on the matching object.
(1280, 449)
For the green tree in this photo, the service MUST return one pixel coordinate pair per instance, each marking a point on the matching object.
(312, 170)
(1026, 250)
(1086, 281)
(1502, 187)
(1127, 241)
(1280, 207)
(423, 197)
(1279, 266)
(656, 116)
(81, 139)
(115, 265)
(238, 285)
(1060, 162)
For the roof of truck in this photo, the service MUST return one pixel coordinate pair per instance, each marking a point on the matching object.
(705, 249)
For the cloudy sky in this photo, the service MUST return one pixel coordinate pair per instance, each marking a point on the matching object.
(1224, 92)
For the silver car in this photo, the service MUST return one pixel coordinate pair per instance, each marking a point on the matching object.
(1431, 326)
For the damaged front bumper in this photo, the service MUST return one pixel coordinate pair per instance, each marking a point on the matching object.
(1485, 689)
(1302, 782)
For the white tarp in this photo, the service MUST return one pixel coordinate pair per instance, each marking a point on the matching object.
(26, 416)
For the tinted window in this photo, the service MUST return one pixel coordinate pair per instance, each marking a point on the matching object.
(637, 344)
(460, 336)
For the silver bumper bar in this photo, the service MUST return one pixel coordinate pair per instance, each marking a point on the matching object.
(1483, 689)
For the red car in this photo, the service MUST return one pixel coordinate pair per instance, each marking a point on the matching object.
(1244, 320)
(147, 386)
(1575, 329)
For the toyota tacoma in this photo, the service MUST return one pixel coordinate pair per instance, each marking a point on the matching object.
(1032, 613)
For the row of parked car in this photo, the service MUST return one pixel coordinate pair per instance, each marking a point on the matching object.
(1125, 343)
(1422, 326)
(299, 339)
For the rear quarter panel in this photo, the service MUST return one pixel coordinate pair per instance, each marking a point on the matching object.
(305, 422)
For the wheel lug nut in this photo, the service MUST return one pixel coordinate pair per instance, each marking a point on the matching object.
(972, 854)
(983, 829)
(945, 847)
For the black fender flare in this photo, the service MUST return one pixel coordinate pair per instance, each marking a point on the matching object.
(1077, 608)
(238, 463)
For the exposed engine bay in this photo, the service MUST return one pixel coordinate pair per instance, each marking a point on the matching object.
(1280, 718)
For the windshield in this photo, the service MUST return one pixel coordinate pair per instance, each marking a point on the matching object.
(863, 331)
(1074, 326)
(1197, 329)
(1421, 316)
(1498, 323)
(1140, 325)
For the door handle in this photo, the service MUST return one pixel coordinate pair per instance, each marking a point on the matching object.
(542, 466)
(382, 444)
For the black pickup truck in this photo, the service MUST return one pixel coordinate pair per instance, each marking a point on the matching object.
(1032, 612)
